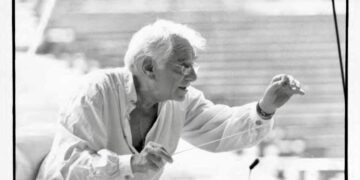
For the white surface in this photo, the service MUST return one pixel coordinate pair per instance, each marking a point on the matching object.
(33, 142)
(354, 91)
(5, 91)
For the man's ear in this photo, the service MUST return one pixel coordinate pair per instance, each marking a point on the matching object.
(148, 67)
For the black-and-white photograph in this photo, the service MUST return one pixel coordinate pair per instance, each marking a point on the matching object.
(180, 90)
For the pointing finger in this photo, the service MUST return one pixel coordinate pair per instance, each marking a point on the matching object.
(165, 155)
(296, 86)
(165, 152)
(301, 92)
(161, 151)
(297, 83)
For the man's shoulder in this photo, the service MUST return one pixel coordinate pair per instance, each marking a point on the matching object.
(98, 81)
(106, 73)
(105, 77)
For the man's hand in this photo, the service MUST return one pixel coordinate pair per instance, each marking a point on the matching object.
(152, 157)
(280, 90)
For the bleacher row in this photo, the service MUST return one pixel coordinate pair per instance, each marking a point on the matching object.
(243, 53)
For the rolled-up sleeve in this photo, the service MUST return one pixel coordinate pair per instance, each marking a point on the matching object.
(206, 123)
(78, 151)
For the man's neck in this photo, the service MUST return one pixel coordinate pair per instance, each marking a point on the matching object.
(145, 98)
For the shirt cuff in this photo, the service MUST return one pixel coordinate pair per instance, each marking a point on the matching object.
(258, 120)
(125, 166)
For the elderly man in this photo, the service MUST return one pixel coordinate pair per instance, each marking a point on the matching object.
(125, 123)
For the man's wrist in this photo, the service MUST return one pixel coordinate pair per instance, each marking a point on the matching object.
(266, 107)
(264, 114)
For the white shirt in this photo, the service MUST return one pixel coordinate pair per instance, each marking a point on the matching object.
(94, 138)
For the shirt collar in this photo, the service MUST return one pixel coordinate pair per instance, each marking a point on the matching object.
(130, 91)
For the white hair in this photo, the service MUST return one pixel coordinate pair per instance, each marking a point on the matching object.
(157, 41)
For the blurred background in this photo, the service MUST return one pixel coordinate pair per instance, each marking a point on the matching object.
(248, 42)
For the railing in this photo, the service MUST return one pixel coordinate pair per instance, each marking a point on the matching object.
(312, 168)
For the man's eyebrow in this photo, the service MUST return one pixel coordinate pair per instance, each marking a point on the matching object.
(187, 60)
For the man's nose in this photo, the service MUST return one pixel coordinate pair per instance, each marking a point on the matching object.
(192, 75)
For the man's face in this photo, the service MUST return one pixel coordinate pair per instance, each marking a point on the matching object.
(171, 82)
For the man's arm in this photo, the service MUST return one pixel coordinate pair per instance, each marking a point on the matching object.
(230, 127)
(236, 127)
(75, 158)
(79, 148)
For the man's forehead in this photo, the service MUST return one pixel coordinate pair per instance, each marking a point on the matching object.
(183, 49)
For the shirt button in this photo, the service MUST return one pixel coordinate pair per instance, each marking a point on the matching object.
(258, 122)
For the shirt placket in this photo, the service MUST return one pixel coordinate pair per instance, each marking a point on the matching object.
(127, 129)
(130, 105)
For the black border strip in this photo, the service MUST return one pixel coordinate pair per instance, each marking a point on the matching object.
(347, 80)
(13, 87)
